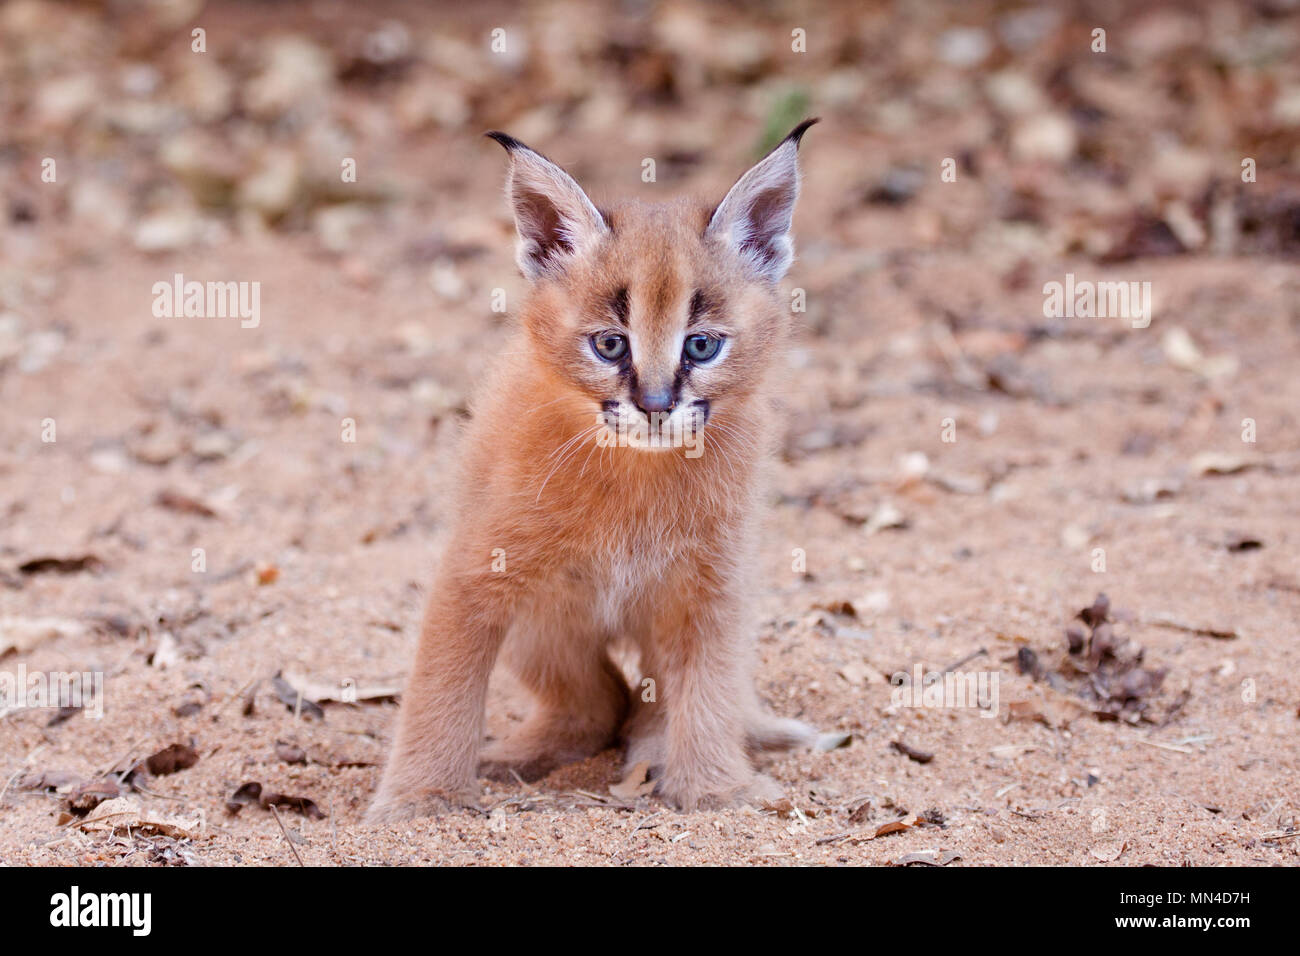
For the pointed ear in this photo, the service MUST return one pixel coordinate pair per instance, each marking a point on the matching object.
(754, 218)
(555, 219)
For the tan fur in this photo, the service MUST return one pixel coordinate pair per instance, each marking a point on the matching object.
(603, 544)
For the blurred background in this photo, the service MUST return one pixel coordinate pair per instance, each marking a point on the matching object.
(1060, 150)
(143, 139)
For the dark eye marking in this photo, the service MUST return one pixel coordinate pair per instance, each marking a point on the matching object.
(703, 304)
(619, 306)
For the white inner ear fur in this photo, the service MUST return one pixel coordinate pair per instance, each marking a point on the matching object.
(755, 216)
(554, 217)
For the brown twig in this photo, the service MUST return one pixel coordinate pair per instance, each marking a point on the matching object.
(276, 814)
(965, 660)
(238, 694)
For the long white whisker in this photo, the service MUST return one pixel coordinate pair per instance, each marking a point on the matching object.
(576, 437)
(576, 447)
(538, 408)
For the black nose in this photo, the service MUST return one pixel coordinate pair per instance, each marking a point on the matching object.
(658, 400)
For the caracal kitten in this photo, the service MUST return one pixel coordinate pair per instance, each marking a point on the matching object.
(610, 494)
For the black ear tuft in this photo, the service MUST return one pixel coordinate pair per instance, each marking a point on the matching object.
(553, 216)
(795, 134)
(505, 139)
(754, 218)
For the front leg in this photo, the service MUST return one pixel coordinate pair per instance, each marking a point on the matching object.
(440, 728)
(702, 649)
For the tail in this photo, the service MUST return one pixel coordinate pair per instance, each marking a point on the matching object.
(764, 732)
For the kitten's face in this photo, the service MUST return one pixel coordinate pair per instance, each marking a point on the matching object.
(658, 327)
(657, 315)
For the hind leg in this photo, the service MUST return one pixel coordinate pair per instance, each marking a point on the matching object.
(580, 703)
(648, 730)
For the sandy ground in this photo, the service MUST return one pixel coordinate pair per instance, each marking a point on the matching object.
(178, 434)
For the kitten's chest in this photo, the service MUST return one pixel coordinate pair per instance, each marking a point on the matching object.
(619, 586)
(629, 568)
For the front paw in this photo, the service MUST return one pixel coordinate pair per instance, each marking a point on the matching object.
(688, 794)
(412, 805)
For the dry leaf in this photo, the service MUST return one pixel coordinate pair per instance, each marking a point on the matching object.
(1104, 669)
(1149, 490)
(123, 813)
(1238, 542)
(290, 753)
(323, 692)
(1109, 852)
(1051, 711)
(958, 483)
(928, 858)
(254, 793)
(896, 826)
(862, 812)
(843, 608)
(171, 759)
(185, 504)
(57, 781)
(1221, 463)
(920, 756)
(1026, 710)
(1007, 751)
(1183, 352)
(20, 634)
(296, 699)
(58, 565)
(167, 653)
(90, 795)
(856, 673)
(884, 517)
(783, 808)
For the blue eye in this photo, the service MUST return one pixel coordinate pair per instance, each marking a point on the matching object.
(701, 348)
(609, 345)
